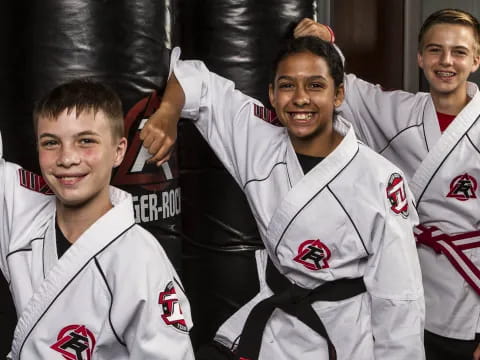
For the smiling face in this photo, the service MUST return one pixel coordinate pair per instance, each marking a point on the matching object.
(448, 55)
(76, 156)
(304, 97)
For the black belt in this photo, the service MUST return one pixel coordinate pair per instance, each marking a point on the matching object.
(295, 301)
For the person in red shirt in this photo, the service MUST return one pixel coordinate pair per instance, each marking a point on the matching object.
(434, 138)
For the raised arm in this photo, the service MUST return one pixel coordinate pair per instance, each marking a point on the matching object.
(4, 233)
(229, 120)
(379, 115)
(23, 195)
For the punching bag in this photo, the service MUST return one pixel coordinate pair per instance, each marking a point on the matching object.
(237, 39)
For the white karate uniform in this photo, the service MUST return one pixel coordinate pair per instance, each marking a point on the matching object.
(340, 209)
(404, 128)
(112, 295)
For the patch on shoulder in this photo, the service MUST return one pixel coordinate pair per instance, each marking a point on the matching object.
(172, 313)
(397, 195)
(33, 182)
(266, 115)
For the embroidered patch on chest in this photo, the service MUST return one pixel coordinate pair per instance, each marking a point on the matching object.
(463, 188)
(396, 195)
(33, 182)
(313, 254)
(75, 342)
(172, 313)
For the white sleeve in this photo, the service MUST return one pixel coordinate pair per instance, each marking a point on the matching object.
(4, 231)
(224, 116)
(8, 177)
(150, 313)
(378, 115)
(394, 283)
(23, 196)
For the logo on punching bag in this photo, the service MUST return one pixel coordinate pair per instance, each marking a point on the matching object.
(134, 170)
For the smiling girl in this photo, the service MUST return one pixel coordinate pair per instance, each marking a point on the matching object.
(339, 278)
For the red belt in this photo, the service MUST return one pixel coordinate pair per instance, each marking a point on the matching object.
(453, 246)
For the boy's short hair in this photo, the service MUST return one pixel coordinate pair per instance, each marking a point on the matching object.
(82, 95)
(317, 47)
(451, 16)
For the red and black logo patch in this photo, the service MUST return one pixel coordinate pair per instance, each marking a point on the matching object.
(75, 342)
(266, 114)
(396, 195)
(313, 254)
(33, 182)
(463, 188)
(172, 313)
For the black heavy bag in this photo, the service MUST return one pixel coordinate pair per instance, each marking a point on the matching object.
(238, 40)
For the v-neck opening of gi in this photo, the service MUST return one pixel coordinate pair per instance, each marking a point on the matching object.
(308, 162)
(62, 243)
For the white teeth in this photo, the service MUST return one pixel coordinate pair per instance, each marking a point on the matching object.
(445, 73)
(302, 116)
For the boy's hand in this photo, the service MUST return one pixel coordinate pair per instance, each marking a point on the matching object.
(308, 27)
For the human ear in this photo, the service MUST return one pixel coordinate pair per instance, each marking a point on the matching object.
(339, 95)
(120, 150)
(271, 95)
(420, 59)
(476, 62)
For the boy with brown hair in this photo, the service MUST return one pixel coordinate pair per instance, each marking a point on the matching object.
(435, 139)
(87, 282)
